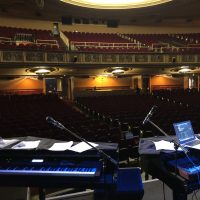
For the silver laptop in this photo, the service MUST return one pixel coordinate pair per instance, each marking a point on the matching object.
(185, 134)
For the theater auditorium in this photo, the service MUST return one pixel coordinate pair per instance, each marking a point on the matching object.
(99, 99)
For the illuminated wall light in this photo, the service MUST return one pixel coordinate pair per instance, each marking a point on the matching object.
(115, 4)
(104, 75)
(164, 75)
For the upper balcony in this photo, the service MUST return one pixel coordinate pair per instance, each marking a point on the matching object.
(30, 47)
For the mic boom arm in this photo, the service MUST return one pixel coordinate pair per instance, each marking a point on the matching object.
(146, 119)
(62, 127)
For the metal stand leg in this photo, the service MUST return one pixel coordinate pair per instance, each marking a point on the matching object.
(28, 193)
(41, 194)
(146, 176)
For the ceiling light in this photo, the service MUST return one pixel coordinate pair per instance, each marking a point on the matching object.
(184, 70)
(118, 71)
(41, 70)
(115, 4)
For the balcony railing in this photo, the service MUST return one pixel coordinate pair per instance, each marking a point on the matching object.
(67, 58)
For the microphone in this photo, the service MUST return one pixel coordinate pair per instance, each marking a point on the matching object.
(50, 120)
(146, 119)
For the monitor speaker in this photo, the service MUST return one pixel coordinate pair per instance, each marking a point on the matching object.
(66, 20)
(112, 23)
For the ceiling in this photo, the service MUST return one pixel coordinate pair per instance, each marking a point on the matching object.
(183, 11)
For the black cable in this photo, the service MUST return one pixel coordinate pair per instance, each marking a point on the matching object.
(164, 190)
(196, 194)
(193, 195)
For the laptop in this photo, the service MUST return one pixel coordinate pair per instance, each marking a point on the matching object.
(185, 134)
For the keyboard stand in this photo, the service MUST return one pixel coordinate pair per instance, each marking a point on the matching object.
(28, 193)
(179, 196)
(42, 193)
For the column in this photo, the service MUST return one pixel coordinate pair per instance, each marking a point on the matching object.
(68, 88)
(186, 82)
(145, 84)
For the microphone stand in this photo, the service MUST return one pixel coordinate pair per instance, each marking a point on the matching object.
(62, 127)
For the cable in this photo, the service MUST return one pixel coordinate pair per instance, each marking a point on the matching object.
(164, 190)
(195, 194)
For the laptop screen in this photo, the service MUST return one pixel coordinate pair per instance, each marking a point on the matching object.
(184, 131)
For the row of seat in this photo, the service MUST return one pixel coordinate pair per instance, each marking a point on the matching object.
(132, 109)
(99, 42)
(22, 38)
(169, 43)
(27, 114)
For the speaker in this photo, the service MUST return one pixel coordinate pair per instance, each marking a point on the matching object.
(66, 20)
(112, 23)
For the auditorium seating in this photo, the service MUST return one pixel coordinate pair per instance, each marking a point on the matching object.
(23, 115)
(28, 39)
(132, 109)
(103, 42)
(32, 39)
(145, 43)
(95, 37)
(102, 118)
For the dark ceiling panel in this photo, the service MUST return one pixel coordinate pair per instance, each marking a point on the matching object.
(187, 10)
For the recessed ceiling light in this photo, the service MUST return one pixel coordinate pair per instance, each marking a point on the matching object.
(184, 69)
(115, 4)
(41, 70)
(118, 71)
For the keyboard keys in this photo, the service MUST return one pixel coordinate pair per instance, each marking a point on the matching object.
(48, 170)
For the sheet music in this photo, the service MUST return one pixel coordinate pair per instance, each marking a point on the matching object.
(82, 146)
(165, 145)
(27, 145)
(4, 143)
(194, 147)
(62, 146)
